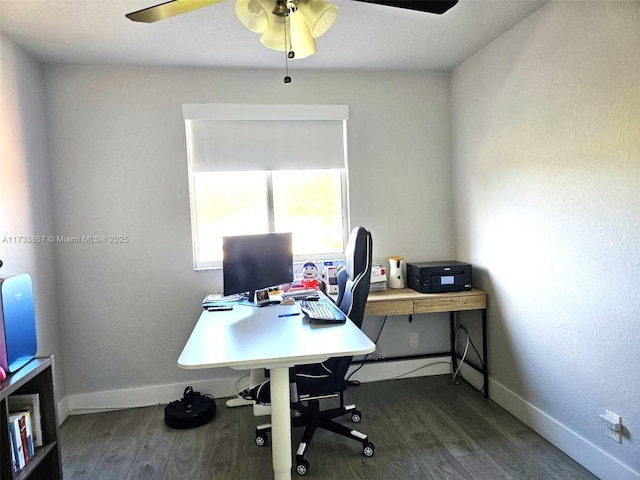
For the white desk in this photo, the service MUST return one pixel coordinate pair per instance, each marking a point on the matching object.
(249, 337)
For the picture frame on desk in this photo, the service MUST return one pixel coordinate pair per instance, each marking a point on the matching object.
(262, 296)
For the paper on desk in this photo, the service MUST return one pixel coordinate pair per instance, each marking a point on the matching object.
(216, 298)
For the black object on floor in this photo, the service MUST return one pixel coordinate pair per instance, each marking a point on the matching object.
(191, 411)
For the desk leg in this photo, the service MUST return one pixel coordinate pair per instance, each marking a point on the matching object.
(485, 373)
(280, 423)
(452, 339)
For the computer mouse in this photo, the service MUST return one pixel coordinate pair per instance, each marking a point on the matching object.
(288, 301)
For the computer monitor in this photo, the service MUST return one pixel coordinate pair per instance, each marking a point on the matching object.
(255, 262)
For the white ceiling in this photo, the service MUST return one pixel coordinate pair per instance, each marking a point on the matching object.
(364, 36)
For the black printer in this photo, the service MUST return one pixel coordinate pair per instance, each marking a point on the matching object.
(439, 277)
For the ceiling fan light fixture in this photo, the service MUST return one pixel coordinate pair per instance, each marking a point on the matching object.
(302, 42)
(320, 15)
(274, 36)
(253, 14)
(291, 26)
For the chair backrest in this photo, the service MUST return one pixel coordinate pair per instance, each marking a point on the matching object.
(353, 289)
(355, 278)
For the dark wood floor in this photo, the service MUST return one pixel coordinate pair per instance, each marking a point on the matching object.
(422, 428)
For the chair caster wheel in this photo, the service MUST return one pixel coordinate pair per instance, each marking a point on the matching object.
(368, 449)
(302, 467)
(261, 439)
(356, 417)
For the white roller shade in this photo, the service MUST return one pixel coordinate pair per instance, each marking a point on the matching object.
(265, 137)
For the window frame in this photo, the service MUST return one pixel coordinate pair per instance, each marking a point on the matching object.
(266, 113)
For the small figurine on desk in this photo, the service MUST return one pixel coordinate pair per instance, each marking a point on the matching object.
(309, 275)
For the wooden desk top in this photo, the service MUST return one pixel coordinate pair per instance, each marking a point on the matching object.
(405, 301)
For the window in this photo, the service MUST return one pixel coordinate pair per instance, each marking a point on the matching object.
(249, 174)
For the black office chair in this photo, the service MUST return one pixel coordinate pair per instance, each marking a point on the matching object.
(310, 383)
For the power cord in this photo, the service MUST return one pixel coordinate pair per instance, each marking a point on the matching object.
(462, 327)
(469, 342)
(444, 362)
(466, 350)
(356, 383)
(240, 392)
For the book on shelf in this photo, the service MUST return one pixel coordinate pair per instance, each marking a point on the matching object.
(29, 402)
(22, 447)
(23, 419)
(29, 431)
(16, 440)
(14, 451)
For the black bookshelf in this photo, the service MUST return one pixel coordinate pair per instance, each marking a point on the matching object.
(37, 376)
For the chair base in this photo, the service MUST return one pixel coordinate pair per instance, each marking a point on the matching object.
(311, 417)
(239, 402)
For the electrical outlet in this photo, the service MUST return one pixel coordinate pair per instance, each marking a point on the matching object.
(612, 425)
(413, 340)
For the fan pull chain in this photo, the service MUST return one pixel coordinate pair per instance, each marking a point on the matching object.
(288, 54)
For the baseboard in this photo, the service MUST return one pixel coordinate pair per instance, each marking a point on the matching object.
(580, 449)
(141, 396)
(389, 370)
(225, 387)
(63, 409)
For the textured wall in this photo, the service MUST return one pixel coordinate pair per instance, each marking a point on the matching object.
(119, 168)
(546, 123)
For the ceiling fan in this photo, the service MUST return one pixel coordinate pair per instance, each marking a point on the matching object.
(285, 25)
(176, 7)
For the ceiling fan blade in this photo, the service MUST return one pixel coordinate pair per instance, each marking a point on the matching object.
(429, 6)
(168, 9)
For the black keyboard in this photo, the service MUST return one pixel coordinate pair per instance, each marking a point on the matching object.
(320, 312)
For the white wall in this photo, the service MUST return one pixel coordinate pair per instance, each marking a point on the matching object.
(119, 168)
(546, 123)
(25, 192)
